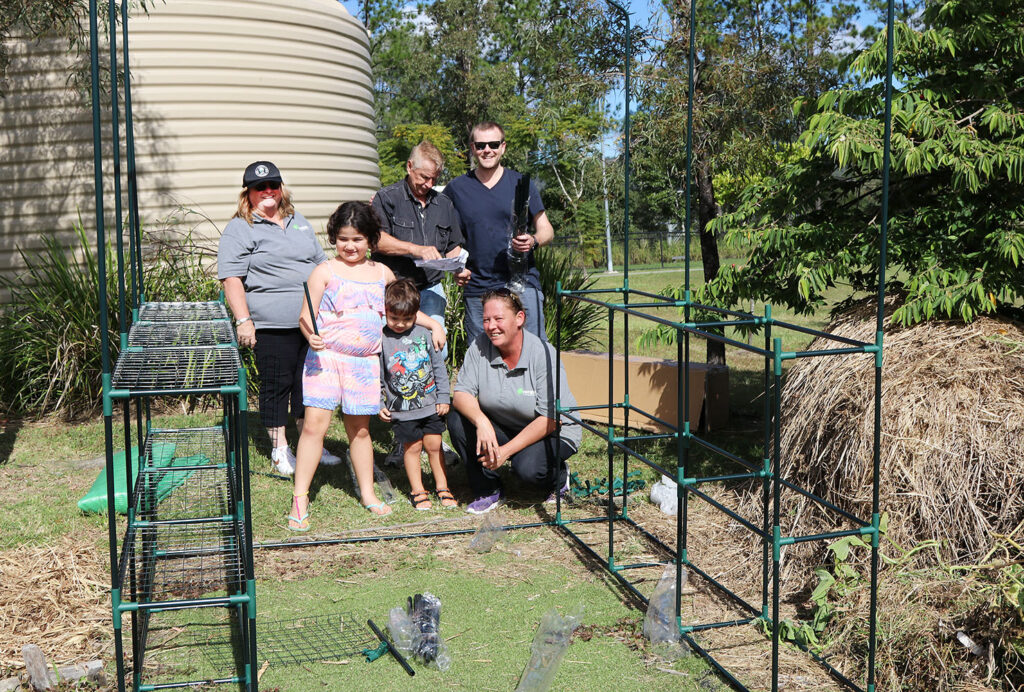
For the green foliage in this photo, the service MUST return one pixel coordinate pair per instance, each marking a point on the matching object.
(49, 332)
(956, 229)
(34, 19)
(50, 359)
(539, 67)
(394, 150)
(834, 585)
(579, 319)
(454, 315)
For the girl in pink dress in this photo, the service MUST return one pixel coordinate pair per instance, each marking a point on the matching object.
(343, 364)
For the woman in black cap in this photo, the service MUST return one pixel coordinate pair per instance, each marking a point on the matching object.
(266, 251)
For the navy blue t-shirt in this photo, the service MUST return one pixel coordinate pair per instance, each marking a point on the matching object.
(486, 215)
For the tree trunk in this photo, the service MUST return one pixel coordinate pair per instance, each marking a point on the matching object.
(707, 210)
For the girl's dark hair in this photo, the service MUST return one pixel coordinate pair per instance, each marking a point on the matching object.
(506, 296)
(358, 215)
(401, 297)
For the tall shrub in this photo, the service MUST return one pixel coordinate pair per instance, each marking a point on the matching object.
(50, 359)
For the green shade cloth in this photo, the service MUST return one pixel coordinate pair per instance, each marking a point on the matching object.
(95, 501)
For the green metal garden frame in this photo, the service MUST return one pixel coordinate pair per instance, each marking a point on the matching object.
(766, 469)
(162, 564)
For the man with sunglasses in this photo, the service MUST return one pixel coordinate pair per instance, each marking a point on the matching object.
(484, 198)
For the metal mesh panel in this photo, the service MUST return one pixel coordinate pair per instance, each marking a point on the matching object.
(303, 640)
(177, 369)
(184, 475)
(171, 493)
(183, 561)
(173, 637)
(180, 334)
(182, 312)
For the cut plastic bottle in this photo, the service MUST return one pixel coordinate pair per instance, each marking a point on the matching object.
(548, 649)
(660, 626)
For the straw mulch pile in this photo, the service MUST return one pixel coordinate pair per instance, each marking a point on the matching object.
(57, 598)
(952, 428)
(952, 482)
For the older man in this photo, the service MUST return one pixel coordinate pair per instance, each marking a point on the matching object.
(484, 197)
(419, 223)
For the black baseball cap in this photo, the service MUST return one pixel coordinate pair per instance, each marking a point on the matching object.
(261, 172)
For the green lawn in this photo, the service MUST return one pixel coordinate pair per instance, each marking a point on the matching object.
(492, 602)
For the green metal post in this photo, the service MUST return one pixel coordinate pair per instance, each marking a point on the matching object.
(879, 330)
(682, 466)
(243, 449)
(558, 397)
(689, 139)
(776, 509)
(610, 510)
(134, 239)
(766, 455)
(108, 427)
(115, 146)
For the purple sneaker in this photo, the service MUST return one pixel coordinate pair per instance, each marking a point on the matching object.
(562, 492)
(484, 504)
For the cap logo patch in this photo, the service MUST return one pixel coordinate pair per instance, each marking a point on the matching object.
(261, 171)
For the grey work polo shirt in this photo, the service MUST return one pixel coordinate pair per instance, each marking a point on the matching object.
(514, 397)
(272, 263)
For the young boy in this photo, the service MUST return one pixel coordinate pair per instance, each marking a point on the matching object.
(415, 392)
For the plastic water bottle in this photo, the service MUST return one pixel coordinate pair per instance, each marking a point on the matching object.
(548, 649)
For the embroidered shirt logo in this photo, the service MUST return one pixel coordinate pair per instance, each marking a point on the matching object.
(526, 392)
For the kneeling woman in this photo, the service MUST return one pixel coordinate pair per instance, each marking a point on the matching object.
(504, 407)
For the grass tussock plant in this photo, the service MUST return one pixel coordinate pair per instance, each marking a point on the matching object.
(50, 358)
(49, 332)
(579, 320)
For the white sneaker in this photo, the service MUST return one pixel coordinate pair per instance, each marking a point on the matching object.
(328, 459)
(283, 460)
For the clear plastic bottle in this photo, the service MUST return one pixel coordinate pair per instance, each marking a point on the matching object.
(548, 649)
(660, 626)
(490, 532)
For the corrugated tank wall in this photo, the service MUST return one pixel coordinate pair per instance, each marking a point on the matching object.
(216, 84)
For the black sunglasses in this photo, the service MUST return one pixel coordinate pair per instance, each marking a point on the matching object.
(480, 146)
(266, 185)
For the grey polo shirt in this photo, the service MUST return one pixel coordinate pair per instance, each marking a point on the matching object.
(272, 263)
(406, 219)
(514, 397)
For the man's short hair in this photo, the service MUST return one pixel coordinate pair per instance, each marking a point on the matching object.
(426, 151)
(486, 125)
(401, 297)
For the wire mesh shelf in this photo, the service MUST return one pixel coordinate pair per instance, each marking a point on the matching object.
(171, 641)
(184, 476)
(171, 493)
(176, 369)
(165, 444)
(182, 311)
(180, 334)
(303, 640)
(173, 562)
